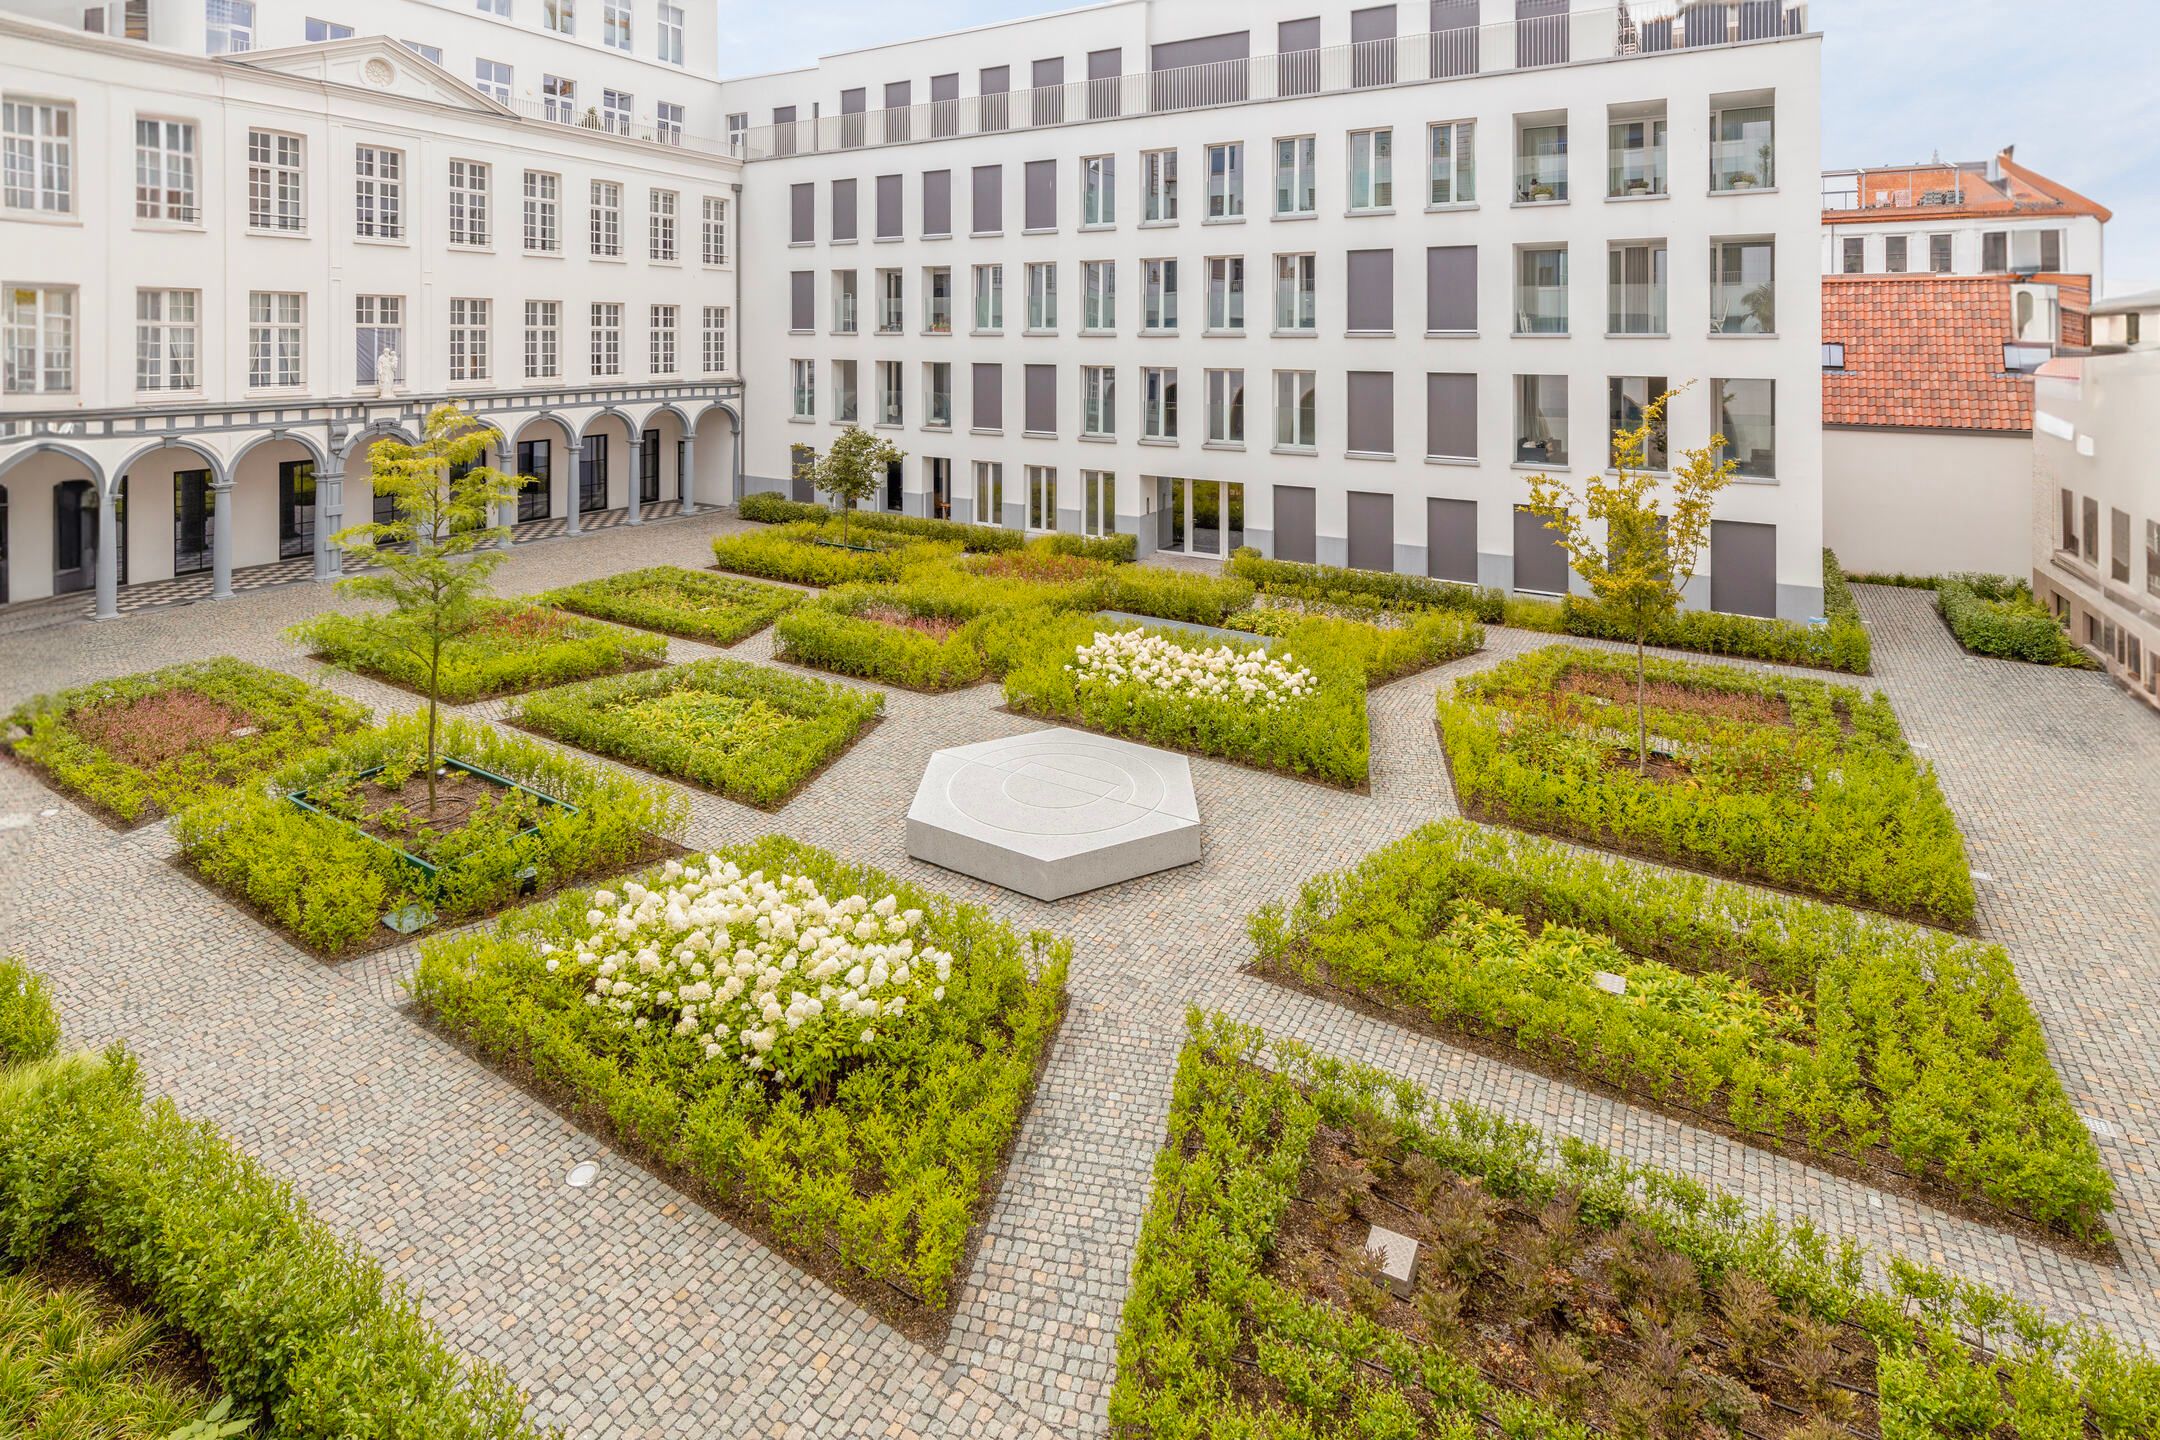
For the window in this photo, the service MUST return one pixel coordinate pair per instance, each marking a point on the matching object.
(1038, 199)
(615, 109)
(937, 395)
(430, 53)
(668, 122)
(543, 233)
(1098, 513)
(1226, 407)
(378, 193)
(1626, 398)
(989, 297)
(1297, 401)
(989, 493)
(1158, 403)
(664, 328)
(494, 7)
(844, 302)
(1042, 296)
(1158, 186)
(1098, 295)
(1451, 287)
(1098, 400)
(1743, 287)
(1453, 180)
(1042, 497)
(1540, 164)
(1743, 150)
(543, 339)
(228, 27)
(1747, 418)
(1939, 254)
(738, 126)
(1369, 412)
(37, 156)
(2091, 530)
(606, 338)
(492, 79)
(1295, 311)
(1369, 292)
(2152, 557)
(1451, 417)
(468, 340)
(1226, 181)
(1833, 355)
(1226, 294)
(558, 99)
(559, 16)
(1294, 163)
(660, 226)
(615, 24)
(2119, 545)
(378, 329)
(276, 194)
(468, 203)
(1158, 295)
(805, 389)
(715, 338)
(167, 339)
(937, 300)
(1635, 288)
(274, 340)
(165, 171)
(1541, 420)
(891, 299)
(39, 354)
(715, 232)
(606, 218)
(1893, 254)
(1637, 156)
(671, 33)
(319, 31)
(1372, 169)
(1541, 294)
(1854, 255)
(843, 389)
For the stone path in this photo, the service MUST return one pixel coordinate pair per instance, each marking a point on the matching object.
(631, 1312)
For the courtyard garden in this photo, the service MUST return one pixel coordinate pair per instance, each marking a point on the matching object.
(695, 604)
(506, 646)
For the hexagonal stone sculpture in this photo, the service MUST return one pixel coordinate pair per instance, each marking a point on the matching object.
(1055, 812)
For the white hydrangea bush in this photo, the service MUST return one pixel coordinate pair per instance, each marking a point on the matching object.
(1217, 672)
(763, 970)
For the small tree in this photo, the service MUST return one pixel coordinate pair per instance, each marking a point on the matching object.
(1649, 552)
(433, 560)
(850, 470)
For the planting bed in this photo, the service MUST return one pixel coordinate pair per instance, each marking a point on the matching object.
(1796, 783)
(697, 605)
(514, 646)
(812, 554)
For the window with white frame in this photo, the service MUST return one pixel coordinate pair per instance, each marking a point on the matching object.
(228, 27)
(1226, 407)
(1743, 146)
(1372, 169)
(1635, 288)
(846, 302)
(378, 328)
(615, 21)
(493, 7)
(1158, 295)
(606, 337)
(615, 108)
(989, 492)
(660, 226)
(39, 351)
(1098, 190)
(1098, 295)
(276, 186)
(558, 99)
(469, 339)
(37, 156)
(1226, 294)
(1098, 400)
(318, 31)
(168, 337)
(1297, 406)
(668, 122)
(606, 226)
(559, 16)
(804, 388)
(469, 219)
(989, 297)
(1295, 190)
(889, 385)
(543, 228)
(1158, 186)
(1042, 296)
(937, 395)
(1452, 175)
(430, 53)
(891, 303)
(165, 171)
(1296, 312)
(937, 300)
(661, 353)
(543, 339)
(275, 339)
(1098, 508)
(1747, 418)
(843, 390)
(1158, 403)
(715, 234)
(378, 193)
(1541, 419)
(1541, 290)
(715, 338)
(492, 79)
(1743, 287)
(738, 126)
(1042, 497)
(1226, 181)
(671, 33)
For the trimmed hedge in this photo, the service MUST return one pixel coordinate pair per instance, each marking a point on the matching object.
(29, 1026)
(1995, 615)
(1833, 804)
(793, 553)
(286, 715)
(1840, 643)
(485, 662)
(1168, 594)
(773, 508)
(1809, 1025)
(1385, 588)
(1382, 652)
(886, 1174)
(749, 732)
(696, 604)
(836, 637)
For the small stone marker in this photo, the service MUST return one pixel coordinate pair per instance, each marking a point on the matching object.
(1610, 983)
(1983, 877)
(1398, 1258)
(2101, 1127)
(14, 822)
(242, 731)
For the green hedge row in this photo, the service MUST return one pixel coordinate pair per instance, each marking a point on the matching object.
(488, 661)
(1840, 643)
(794, 553)
(1168, 594)
(1993, 615)
(835, 636)
(1417, 641)
(1335, 582)
(1812, 1025)
(696, 604)
(772, 508)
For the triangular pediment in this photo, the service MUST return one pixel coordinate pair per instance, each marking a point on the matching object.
(373, 62)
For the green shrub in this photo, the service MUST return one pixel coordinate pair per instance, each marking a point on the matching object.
(1526, 612)
(516, 646)
(29, 1027)
(1409, 641)
(974, 539)
(1995, 615)
(1840, 643)
(1832, 803)
(1170, 594)
(839, 638)
(328, 885)
(1896, 578)
(1808, 1025)
(1116, 549)
(812, 554)
(1415, 592)
(773, 508)
(751, 733)
(696, 604)
(884, 1172)
(191, 747)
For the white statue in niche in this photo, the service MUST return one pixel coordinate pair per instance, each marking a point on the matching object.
(386, 371)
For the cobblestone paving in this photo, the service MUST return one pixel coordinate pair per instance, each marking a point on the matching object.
(630, 1311)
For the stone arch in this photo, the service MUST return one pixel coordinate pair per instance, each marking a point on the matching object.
(718, 454)
(316, 451)
(53, 447)
(220, 472)
(374, 430)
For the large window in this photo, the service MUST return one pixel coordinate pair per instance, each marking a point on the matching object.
(1297, 406)
(668, 122)
(805, 389)
(469, 340)
(843, 390)
(1226, 181)
(275, 339)
(715, 233)
(1098, 295)
(1158, 185)
(1295, 310)
(228, 27)
(469, 221)
(660, 226)
(1541, 152)
(1042, 296)
(165, 171)
(1637, 151)
(1098, 400)
(543, 229)
(1295, 191)
(1226, 407)
(891, 303)
(1042, 497)
(1893, 254)
(989, 298)
(1158, 403)
(616, 107)
(558, 99)
(276, 187)
(543, 339)
(937, 395)
(615, 22)
(846, 303)
(1747, 418)
(167, 339)
(937, 300)
(606, 338)
(989, 493)
(378, 193)
(559, 16)
(1626, 398)
(1372, 169)
(492, 79)
(671, 33)
(1743, 287)
(1226, 294)
(606, 226)
(1541, 290)
(1098, 511)
(1541, 420)
(1453, 177)
(1098, 190)
(378, 330)
(715, 337)
(39, 354)
(665, 332)
(1158, 295)
(1635, 288)
(1743, 150)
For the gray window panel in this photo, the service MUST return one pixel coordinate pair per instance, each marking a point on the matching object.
(1451, 287)
(1105, 64)
(783, 115)
(888, 207)
(1451, 416)
(1372, 38)
(1371, 290)
(1295, 35)
(994, 80)
(1378, 23)
(853, 102)
(897, 93)
(1047, 73)
(945, 87)
(1296, 507)
(844, 210)
(802, 300)
(1372, 531)
(1743, 568)
(989, 214)
(1041, 195)
(1297, 57)
(1041, 396)
(937, 202)
(802, 213)
(1371, 411)
(1207, 50)
(1451, 540)
(1540, 558)
(989, 411)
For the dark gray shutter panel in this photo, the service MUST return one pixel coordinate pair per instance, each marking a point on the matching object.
(802, 213)
(783, 115)
(897, 95)
(945, 87)
(1105, 64)
(1451, 540)
(1297, 57)
(994, 80)
(937, 202)
(853, 102)
(1372, 411)
(1540, 557)
(1041, 391)
(1378, 23)
(1451, 287)
(1041, 187)
(1372, 531)
(844, 210)
(989, 411)
(1372, 290)
(888, 207)
(1743, 568)
(802, 300)
(1207, 50)
(989, 216)
(1295, 511)
(1451, 416)
(1049, 72)
(1292, 36)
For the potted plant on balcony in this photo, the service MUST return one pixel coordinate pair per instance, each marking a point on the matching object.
(1541, 190)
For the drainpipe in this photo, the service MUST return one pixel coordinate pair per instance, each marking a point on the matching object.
(742, 343)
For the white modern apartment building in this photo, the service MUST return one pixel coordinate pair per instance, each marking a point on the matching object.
(1334, 285)
(226, 276)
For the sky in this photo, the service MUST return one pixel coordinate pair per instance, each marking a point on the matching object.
(1902, 80)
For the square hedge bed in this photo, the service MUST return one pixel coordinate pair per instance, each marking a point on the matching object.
(1803, 784)
(1558, 1293)
(748, 732)
(1878, 1048)
(144, 745)
(695, 604)
(518, 818)
(817, 554)
(516, 646)
(819, 1050)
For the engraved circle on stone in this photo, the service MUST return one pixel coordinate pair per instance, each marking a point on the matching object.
(1056, 789)
(379, 72)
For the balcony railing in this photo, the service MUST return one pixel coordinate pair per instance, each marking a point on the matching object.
(1645, 27)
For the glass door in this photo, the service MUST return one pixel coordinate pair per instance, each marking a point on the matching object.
(535, 462)
(893, 486)
(649, 468)
(195, 521)
(940, 493)
(1170, 514)
(296, 508)
(1198, 517)
(74, 537)
(592, 474)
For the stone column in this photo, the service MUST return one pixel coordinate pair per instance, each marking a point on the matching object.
(108, 556)
(637, 480)
(686, 483)
(221, 492)
(574, 485)
(735, 486)
(329, 516)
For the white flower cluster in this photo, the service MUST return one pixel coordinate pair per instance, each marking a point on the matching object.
(1219, 672)
(764, 969)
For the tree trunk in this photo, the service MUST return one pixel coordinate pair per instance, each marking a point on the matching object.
(1642, 720)
(434, 687)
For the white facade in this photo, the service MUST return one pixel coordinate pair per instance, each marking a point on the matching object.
(1928, 502)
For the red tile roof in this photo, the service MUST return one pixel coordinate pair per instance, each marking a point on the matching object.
(1923, 352)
